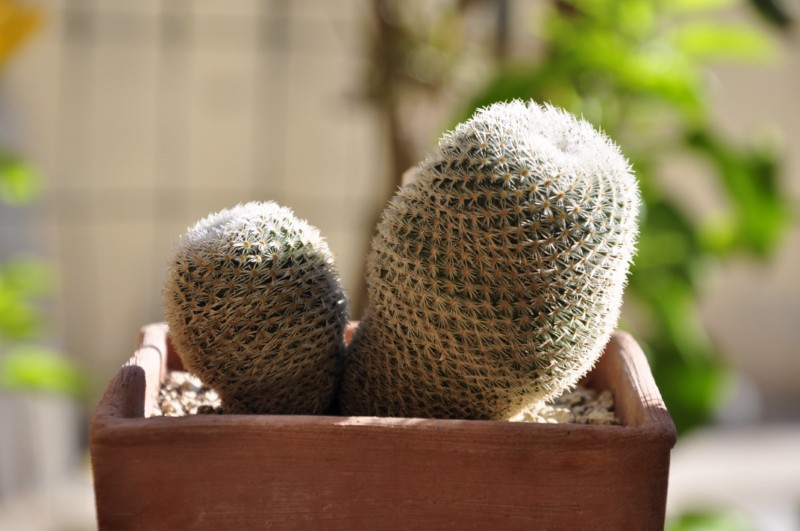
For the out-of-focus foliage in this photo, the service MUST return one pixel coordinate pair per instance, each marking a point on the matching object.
(638, 70)
(24, 364)
(775, 12)
(34, 368)
(710, 521)
(25, 281)
(18, 183)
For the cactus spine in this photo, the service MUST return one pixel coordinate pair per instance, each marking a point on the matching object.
(255, 309)
(496, 276)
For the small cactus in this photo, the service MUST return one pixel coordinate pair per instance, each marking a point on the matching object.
(256, 311)
(496, 275)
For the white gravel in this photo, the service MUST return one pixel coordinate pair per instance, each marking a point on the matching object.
(184, 394)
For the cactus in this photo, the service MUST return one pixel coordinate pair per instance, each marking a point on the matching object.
(256, 311)
(496, 275)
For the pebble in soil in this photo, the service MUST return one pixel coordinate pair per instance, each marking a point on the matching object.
(184, 394)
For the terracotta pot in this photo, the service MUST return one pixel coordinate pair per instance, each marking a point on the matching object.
(326, 472)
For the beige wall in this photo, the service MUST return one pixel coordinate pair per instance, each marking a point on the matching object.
(144, 116)
(753, 309)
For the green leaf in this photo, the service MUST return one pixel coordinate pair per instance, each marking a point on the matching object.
(519, 81)
(34, 368)
(661, 73)
(663, 248)
(28, 276)
(695, 6)
(19, 319)
(18, 183)
(708, 40)
(22, 280)
(710, 521)
(683, 360)
(750, 176)
(720, 235)
(668, 240)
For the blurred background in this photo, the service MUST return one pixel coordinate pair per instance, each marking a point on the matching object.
(124, 122)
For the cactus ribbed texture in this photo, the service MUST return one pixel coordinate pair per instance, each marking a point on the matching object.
(496, 276)
(256, 311)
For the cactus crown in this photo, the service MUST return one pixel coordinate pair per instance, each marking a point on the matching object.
(496, 276)
(255, 309)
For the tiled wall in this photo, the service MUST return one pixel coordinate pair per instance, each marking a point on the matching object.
(145, 116)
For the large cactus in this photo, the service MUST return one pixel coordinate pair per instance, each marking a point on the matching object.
(255, 309)
(496, 276)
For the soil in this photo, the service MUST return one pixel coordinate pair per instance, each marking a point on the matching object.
(184, 394)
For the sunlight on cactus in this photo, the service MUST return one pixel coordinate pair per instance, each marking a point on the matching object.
(496, 276)
(256, 310)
